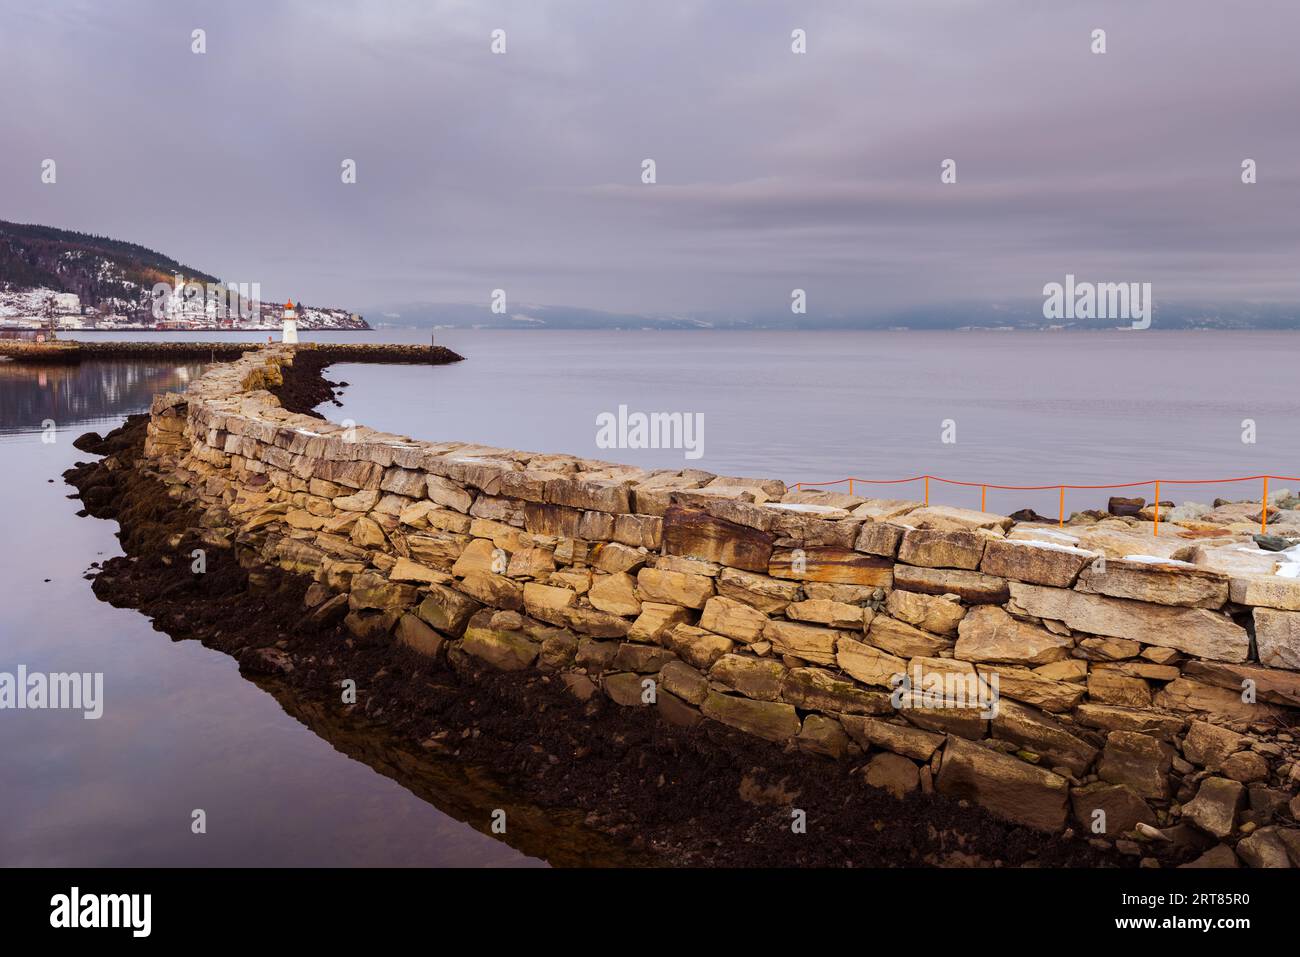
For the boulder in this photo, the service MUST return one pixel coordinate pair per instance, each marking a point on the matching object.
(372, 590)
(893, 773)
(644, 659)
(504, 650)
(1264, 848)
(988, 633)
(1111, 687)
(949, 518)
(615, 594)
(1006, 786)
(1271, 684)
(932, 548)
(625, 689)
(1209, 745)
(772, 720)
(733, 618)
(696, 646)
(416, 635)
(822, 735)
(684, 681)
(1042, 734)
(1022, 684)
(941, 616)
(1214, 809)
(903, 640)
(1277, 634)
(655, 620)
(1035, 562)
(869, 665)
(769, 595)
(758, 678)
(899, 738)
(674, 588)
(1122, 807)
(1138, 760)
(815, 689)
(495, 590)
(1218, 857)
(808, 642)
(446, 609)
(676, 711)
(834, 614)
(1160, 724)
(880, 538)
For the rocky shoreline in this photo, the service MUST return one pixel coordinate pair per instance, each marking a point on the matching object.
(1117, 675)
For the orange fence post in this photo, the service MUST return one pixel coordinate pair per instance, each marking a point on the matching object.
(1156, 531)
(850, 486)
(984, 493)
(927, 490)
(1263, 510)
(1060, 522)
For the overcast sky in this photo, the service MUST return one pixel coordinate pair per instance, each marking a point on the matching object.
(775, 170)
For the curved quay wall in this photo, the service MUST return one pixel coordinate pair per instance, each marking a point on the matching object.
(1150, 691)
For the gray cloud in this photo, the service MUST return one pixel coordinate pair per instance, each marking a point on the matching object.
(522, 171)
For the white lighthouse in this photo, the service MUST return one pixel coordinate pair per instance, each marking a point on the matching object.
(289, 332)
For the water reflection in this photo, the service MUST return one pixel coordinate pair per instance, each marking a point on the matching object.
(84, 392)
(459, 790)
(182, 729)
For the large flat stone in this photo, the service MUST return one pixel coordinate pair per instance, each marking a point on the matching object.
(695, 533)
(1271, 684)
(772, 720)
(973, 587)
(815, 689)
(830, 564)
(1195, 631)
(1035, 562)
(1163, 583)
(1006, 786)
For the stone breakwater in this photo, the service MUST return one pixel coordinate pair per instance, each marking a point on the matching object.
(78, 351)
(1139, 690)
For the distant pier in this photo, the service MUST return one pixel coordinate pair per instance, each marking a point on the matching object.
(79, 351)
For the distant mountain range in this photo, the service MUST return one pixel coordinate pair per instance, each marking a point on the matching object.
(951, 316)
(81, 280)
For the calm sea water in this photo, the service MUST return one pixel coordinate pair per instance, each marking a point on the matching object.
(1026, 408)
(283, 785)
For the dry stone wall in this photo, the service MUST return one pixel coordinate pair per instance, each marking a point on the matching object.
(1062, 678)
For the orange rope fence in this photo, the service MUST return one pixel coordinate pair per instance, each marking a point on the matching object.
(985, 486)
